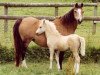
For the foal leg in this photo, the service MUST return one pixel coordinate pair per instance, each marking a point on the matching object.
(57, 59)
(77, 62)
(51, 57)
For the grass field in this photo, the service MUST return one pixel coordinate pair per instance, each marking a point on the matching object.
(42, 68)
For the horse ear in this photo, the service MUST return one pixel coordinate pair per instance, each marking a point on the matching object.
(76, 5)
(81, 4)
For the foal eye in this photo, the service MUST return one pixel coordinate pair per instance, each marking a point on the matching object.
(40, 27)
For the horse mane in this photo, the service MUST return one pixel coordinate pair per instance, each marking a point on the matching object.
(68, 17)
(52, 27)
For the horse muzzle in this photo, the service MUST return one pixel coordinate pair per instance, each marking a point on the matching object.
(79, 22)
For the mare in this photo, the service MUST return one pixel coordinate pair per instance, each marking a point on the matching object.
(58, 42)
(24, 31)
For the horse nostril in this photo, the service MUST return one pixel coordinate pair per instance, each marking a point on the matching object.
(79, 22)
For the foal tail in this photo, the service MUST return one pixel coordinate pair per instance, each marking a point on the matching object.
(82, 46)
(18, 43)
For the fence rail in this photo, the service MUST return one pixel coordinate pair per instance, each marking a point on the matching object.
(6, 17)
(44, 4)
(91, 18)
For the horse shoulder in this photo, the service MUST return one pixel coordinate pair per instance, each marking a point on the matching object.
(28, 27)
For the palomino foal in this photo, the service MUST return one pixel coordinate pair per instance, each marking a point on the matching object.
(56, 41)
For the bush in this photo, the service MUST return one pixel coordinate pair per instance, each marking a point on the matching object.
(41, 54)
(6, 55)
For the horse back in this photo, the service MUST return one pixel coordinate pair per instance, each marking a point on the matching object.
(28, 27)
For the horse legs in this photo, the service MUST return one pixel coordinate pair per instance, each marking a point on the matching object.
(77, 62)
(23, 58)
(61, 57)
(23, 55)
(51, 57)
(57, 59)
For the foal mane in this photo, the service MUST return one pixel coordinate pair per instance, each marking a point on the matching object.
(52, 27)
(68, 17)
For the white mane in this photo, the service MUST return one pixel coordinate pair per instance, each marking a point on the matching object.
(52, 27)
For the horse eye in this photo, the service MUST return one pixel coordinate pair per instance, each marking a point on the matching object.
(75, 11)
(40, 27)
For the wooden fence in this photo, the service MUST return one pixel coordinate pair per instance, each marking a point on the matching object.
(6, 17)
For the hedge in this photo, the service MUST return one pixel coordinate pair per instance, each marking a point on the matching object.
(39, 54)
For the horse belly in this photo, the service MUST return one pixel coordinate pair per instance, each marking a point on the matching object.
(40, 40)
(62, 46)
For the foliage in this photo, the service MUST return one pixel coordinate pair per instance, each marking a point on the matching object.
(6, 55)
(38, 54)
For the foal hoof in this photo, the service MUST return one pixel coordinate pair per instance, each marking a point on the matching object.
(24, 66)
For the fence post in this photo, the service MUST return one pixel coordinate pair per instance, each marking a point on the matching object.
(5, 21)
(56, 11)
(94, 23)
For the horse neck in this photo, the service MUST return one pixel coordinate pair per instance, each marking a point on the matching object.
(51, 32)
(69, 18)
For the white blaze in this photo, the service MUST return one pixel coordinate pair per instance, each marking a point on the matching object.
(79, 14)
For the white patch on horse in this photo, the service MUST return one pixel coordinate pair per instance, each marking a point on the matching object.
(80, 14)
(76, 67)
(24, 63)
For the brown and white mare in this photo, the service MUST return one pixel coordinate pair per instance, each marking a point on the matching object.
(24, 31)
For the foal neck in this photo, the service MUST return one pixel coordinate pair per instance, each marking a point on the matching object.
(51, 30)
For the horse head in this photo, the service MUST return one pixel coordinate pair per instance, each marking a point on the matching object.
(78, 12)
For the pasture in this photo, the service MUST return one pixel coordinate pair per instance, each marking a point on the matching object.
(42, 68)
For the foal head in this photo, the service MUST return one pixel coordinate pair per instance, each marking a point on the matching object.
(78, 12)
(48, 27)
(43, 26)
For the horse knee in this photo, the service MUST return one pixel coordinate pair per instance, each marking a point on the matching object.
(77, 59)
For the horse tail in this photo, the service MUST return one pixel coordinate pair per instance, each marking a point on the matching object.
(82, 46)
(18, 43)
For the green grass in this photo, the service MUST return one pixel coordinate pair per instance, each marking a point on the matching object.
(42, 68)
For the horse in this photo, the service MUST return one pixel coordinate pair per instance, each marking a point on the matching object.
(24, 32)
(58, 42)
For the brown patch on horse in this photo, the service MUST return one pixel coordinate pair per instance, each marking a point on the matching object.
(28, 29)
(66, 24)
(68, 18)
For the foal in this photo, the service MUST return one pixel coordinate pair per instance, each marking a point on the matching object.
(56, 41)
